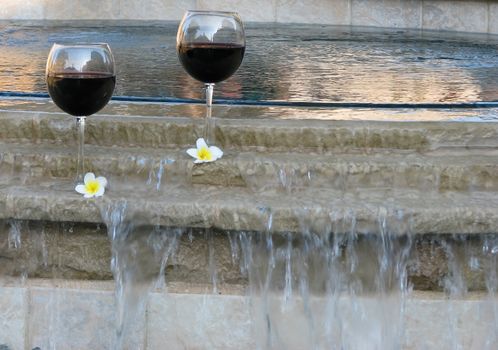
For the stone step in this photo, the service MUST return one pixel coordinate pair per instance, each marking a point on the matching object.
(234, 208)
(462, 170)
(253, 134)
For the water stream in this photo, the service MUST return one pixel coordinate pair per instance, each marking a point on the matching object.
(338, 289)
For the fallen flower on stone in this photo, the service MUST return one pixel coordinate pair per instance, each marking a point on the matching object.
(92, 187)
(204, 153)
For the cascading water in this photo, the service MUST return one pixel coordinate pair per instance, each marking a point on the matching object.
(337, 288)
(336, 282)
(139, 258)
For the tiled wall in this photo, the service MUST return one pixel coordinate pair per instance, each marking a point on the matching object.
(455, 15)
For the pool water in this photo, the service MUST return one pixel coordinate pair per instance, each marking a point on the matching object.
(282, 62)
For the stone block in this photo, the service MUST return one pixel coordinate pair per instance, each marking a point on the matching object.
(83, 9)
(333, 12)
(154, 9)
(437, 323)
(195, 321)
(62, 318)
(386, 13)
(29, 9)
(51, 250)
(13, 314)
(249, 11)
(462, 16)
(493, 18)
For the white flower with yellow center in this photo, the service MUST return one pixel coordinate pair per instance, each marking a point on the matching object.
(204, 153)
(92, 187)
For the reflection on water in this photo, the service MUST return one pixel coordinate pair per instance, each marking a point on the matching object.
(282, 62)
(263, 112)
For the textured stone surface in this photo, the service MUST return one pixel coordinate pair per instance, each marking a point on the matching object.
(206, 321)
(154, 9)
(87, 9)
(30, 9)
(301, 136)
(254, 11)
(493, 18)
(436, 171)
(457, 15)
(463, 16)
(387, 13)
(199, 322)
(337, 12)
(80, 252)
(442, 324)
(52, 250)
(240, 209)
(13, 311)
(76, 319)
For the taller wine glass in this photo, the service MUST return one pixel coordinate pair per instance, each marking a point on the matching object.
(80, 80)
(210, 46)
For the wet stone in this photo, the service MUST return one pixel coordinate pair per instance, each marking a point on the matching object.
(83, 252)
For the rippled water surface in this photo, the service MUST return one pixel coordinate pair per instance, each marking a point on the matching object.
(282, 62)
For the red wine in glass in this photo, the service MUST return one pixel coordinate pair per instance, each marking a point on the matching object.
(80, 80)
(210, 46)
(81, 94)
(211, 63)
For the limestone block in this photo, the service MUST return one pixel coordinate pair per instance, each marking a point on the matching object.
(154, 9)
(15, 9)
(386, 13)
(463, 16)
(493, 18)
(249, 11)
(63, 318)
(456, 323)
(199, 322)
(13, 312)
(51, 250)
(334, 12)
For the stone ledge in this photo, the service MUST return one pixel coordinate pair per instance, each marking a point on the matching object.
(241, 209)
(303, 136)
(453, 170)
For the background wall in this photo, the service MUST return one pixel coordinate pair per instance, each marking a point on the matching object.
(454, 15)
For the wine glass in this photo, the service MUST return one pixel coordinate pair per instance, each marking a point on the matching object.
(210, 46)
(80, 81)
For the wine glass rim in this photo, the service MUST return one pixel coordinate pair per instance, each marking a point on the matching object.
(79, 44)
(211, 12)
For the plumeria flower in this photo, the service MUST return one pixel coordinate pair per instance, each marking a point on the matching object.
(92, 187)
(204, 153)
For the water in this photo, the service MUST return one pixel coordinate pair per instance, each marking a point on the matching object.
(335, 287)
(282, 62)
(335, 282)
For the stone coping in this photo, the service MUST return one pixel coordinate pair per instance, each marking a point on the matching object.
(450, 15)
(441, 174)
(186, 288)
(263, 113)
(310, 136)
(443, 170)
(316, 209)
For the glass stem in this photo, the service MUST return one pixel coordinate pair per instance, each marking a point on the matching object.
(209, 94)
(80, 165)
(209, 126)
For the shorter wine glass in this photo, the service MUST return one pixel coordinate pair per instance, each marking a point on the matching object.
(210, 46)
(80, 81)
